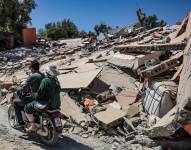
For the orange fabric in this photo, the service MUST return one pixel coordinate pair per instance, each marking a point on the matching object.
(88, 103)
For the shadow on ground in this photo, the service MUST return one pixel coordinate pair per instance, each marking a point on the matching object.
(65, 143)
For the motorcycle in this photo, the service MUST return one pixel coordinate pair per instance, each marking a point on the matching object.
(48, 122)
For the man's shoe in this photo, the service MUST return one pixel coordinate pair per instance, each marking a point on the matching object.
(32, 128)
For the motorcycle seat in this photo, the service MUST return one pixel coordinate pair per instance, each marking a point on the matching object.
(40, 107)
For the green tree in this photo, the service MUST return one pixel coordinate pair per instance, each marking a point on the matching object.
(64, 29)
(72, 29)
(148, 21)
(141, 16)
(152, 22)
(15, 15)
(162, 23)
(102, 28)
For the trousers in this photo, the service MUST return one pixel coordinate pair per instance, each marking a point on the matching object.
(19, 106)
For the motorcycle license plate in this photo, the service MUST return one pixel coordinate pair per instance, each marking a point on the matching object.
(58, 122)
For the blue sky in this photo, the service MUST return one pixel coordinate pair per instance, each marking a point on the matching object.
(87, 13)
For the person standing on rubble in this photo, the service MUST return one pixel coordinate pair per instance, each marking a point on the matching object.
(48, 95)
(26, 91)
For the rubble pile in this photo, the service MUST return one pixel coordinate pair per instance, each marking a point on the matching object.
(45, 51)
(130, 91)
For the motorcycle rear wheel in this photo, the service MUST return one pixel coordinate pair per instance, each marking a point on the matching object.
(53, 136)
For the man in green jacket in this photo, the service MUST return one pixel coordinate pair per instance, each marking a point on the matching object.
(47, 94)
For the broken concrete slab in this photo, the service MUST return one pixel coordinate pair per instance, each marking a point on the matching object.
(162, 67)
(127, 97)
(179, 115)
(146, 40)
(165, 127)
(77, 80)
(177, 74)
(141, 35)
(125, 49)
(184, 84)
(70, 109)
(122, 60)
(133, 110)
(85, 67)
(184, 30)
(114, 76)
(133, 62)
(110, 117)
(142, 59)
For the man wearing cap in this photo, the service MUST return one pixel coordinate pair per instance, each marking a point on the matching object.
(48, 94)
(31, 86)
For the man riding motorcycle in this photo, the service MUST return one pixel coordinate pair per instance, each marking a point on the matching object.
(48, 95)
(25, 92)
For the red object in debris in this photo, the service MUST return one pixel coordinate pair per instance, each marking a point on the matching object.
(187, 128)
(6, 85)
(29, 36)
(88, 103)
